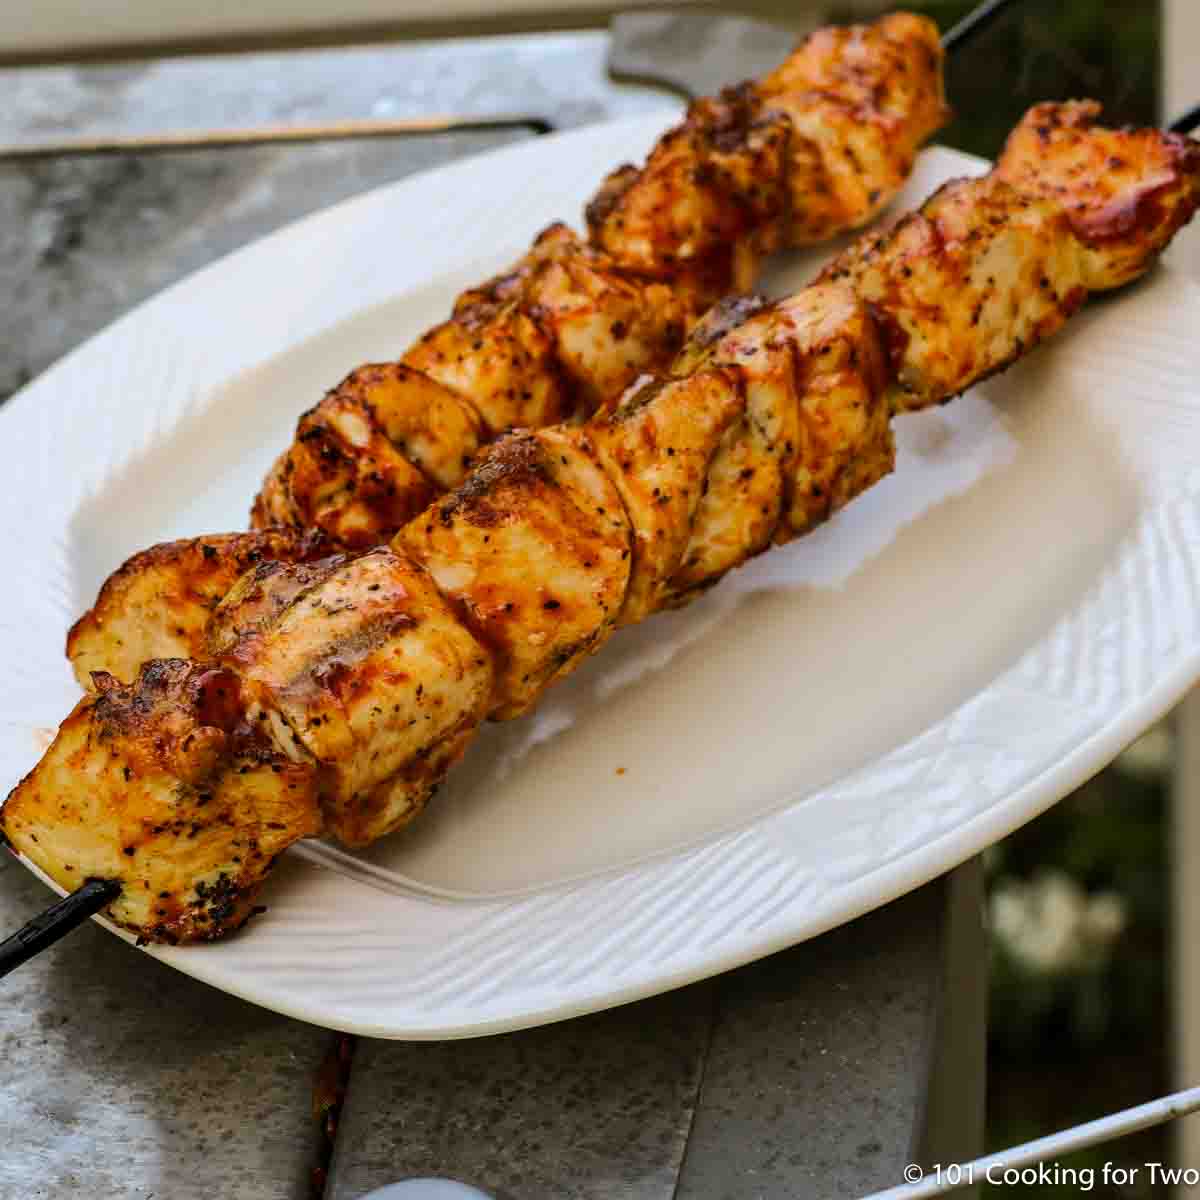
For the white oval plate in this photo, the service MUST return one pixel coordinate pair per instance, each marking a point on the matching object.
(834, 725)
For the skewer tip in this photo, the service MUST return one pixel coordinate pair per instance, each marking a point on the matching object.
(974, 23)
(1189, 121)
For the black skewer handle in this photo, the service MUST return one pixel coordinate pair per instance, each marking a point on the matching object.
(56, 922)
(973, 23)
(1189, 121)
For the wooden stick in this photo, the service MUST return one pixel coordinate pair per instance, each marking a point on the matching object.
(213, 139)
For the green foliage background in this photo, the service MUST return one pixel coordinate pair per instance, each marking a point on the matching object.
(1050, 51)
(1065, 1048)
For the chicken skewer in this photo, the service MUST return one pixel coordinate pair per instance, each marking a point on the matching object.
(380, 445)
(817, 147)
(203, 569)
(337, 693)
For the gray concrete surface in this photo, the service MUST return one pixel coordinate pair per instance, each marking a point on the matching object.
(806, 1074)
(121, 1078)
(83, 240)
(597, 1107)
(816, 1081)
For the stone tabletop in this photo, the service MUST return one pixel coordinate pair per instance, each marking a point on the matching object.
(815, 1073)
(122, 1078)
(83, 240)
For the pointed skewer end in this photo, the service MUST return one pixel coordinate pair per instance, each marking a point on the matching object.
(974, 23)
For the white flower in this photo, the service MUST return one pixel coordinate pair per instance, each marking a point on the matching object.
(1051, 924)
(1106, 917)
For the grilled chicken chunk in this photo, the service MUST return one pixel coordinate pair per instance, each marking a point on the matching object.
(712, 200)
(990, 267)
(158, 785)
(376, 449)
(432, 426)
(861, 101)
(845, 441)
(533, 550)
(817, 147)
(496, 354)
(257, 599)
(362, 671)
(158, 603)
(344, 474)
(608, 327)
(656, 445)
(964, 285)
(1126, 192)
(740, 507)
(815, 430)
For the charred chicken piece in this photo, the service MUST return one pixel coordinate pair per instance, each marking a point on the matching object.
(815, 430)
(158, 603)
(656, 445)
(375, 450)
(498, 356)
(159, 785)
(533, 551)
(962, 287)
(712, 200)
(862, 100)
(1125, 192)
(816, 148)
(361, 671)
(608, 326)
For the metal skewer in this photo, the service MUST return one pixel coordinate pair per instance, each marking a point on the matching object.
(991, 1168)
(977, 20)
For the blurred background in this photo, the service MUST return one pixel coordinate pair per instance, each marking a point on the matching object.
(1089, 956)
